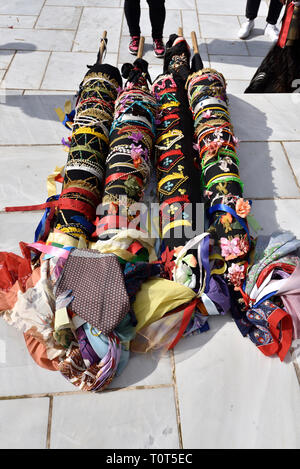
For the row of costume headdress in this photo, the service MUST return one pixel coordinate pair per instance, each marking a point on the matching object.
(97, 283)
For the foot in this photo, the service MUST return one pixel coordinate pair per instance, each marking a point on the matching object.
(272, 32)
(246, 29)
(134, 45)
(158, 47)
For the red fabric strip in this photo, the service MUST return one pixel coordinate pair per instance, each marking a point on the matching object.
(286, 25)
(284, 342)
(185, 321)
(78, 190)
(122, 176)
(135, 247)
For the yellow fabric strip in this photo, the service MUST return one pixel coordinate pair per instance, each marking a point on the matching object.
(157, 297)
(88, 130)
(221, 270)
(173, 133)
(51, 186)
(174, 224)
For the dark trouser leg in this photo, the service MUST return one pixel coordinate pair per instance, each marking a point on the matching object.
(274, 11)
(252, 9)
(132, 10)
(157, 13)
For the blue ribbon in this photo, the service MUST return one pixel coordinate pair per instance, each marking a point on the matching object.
(226, 208)
(264, 298)
(205, 260)
(41, 226)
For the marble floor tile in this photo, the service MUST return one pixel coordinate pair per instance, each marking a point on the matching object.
(226, 47)
(259, 117)
(19, 374)
(27, 70)
(66, 70)
(42, 124)
(154, 71)
(17, 21)
(219, 408)
(19, 7)
(274, 215)
(235, 67)
(265, 170)
(24, 423)
(219, 26)
(27, 184)
(236, 86)
(145, 370)
(5, 58)
(69, 95)
(232, 7)
(189, 23)
(15, 229)
(36, 39)
(140, 419)
(84, 3)
(93, 22)
(4, 93)
(58, 17)
(293, 152)
(259, 47)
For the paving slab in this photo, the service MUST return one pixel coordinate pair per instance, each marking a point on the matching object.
(58, 17)
(27, 420)
(221, 409)
(130, 419)
(26, 70)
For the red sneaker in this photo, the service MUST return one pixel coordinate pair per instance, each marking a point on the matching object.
(134, 45)
(158, 47)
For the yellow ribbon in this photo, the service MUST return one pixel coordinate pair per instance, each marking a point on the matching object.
(174, 224)
(51, 186)
(88, 130)
(221, 270)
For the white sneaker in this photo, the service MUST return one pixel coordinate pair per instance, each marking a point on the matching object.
(246, 29)
(272, 32)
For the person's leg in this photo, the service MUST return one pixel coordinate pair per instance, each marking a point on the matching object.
(157, 13)
(274, 11)
(132, 11)
(252, 8)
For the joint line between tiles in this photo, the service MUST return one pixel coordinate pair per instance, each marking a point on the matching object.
(45, 71)
(49, 427)
(176, 398)
(76, 31)
(289, 163)
(78, 392)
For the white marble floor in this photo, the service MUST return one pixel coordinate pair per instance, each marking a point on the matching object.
(216, 390)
